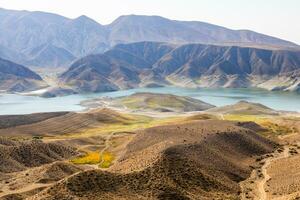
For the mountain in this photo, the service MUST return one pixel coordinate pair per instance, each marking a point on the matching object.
(223, 66)
(17, 78)
(24, 31)
(136, 28)
(289, 81)
(192, 65)
(118, 68)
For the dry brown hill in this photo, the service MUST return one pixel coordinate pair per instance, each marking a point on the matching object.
(19, 155)
(57, 171)
(7, 121)
(197, 160)
(244, 108)
(163, 102)
(20, 185)
(58, 125)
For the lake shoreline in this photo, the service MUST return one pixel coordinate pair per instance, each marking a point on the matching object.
(24, 104)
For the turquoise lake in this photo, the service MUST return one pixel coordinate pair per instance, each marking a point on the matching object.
(19, 104)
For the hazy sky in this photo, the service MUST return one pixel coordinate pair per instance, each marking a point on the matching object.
(279, 18)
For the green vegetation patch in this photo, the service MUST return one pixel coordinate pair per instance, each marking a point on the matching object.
(107, 159)
(104, 160)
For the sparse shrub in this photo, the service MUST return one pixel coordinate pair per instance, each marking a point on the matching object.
(89, 158)
(37, 137)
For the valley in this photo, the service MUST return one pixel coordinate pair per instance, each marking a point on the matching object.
(114, 151)
(146, 107)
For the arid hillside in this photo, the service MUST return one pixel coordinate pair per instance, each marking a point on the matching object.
(201, 159)
(244, 108)
(20, 155)
(44, 124)
(163, 103)
(222, 153)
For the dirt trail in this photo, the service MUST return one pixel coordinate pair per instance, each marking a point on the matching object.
(107, 145)
(261, 189)
(28, 188)
(254, 186)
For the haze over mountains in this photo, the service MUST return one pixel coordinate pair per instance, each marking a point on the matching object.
(193, 65)
(44, 39)
(138, 51)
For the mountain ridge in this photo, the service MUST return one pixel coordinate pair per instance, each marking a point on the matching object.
(83, 36)
(192, 65)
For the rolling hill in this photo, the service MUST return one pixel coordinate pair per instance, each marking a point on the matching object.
(162, 103)
(190, 65)
(20, 155)
(196, 160)
(244, 108)
(24, 31)
(17, 78)
(51, 124)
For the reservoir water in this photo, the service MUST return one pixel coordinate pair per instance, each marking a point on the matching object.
(20, 104)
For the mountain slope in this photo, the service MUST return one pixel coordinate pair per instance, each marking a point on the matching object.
(159, 29)
(8, 54)
(23, 31)
(223, 35)
(191, 65)
(49, 55)
(118, 68)
(17, 78)
(222, 66)
(210, 60)
(21, 155)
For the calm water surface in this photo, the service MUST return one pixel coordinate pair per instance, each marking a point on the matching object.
(18, 104)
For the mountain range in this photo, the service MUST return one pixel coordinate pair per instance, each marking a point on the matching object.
(141, 51)
(148, 64)
(44, 39)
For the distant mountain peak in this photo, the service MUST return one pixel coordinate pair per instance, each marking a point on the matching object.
(134, 18)
(85, 19)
